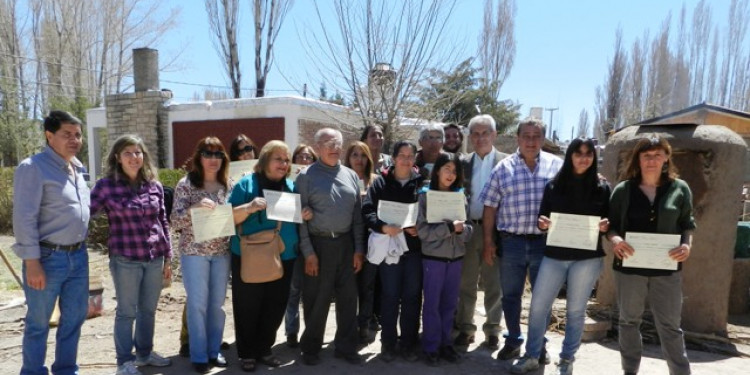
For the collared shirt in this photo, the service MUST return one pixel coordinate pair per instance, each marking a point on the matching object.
(49, 203)
(185, 196)
(138, 228)
(480, 173)
(516, 191)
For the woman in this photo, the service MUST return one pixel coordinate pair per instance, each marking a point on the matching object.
(577, 190)
(303, 155)
(242, 148)
(372, 135)
(401, 282)
(139, 248)
(259, 307)
(359, 159)
(205, 265)
(443, 249)
(651, 199)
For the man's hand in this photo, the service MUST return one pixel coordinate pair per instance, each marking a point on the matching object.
(488, 254)
(311, 265)
(359, 260)
(412, 231)
(35, 277)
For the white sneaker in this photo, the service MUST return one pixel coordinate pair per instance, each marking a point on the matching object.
(564, 367)
(153, 359)
(127, 368)
(524, 365)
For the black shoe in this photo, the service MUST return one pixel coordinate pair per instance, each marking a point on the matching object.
(492, 342)
(387, 354)
(185, 350)
(463, 339)
(432, 359)
(508, 352)
(365, 337)
(544, 357)
(201, 368)
(224, 345)
(219, 361)
(352, 358)
(449, 354)
(310, 359)
(630, 373)
(409, 355)
(291, 341)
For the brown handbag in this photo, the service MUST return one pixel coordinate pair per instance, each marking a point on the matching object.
(261, 260)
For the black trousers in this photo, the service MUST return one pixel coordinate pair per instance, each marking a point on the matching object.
(258, 311)
(335, 277)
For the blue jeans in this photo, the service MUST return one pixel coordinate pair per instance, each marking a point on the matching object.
(137, 287)
(401, 295)
(291, 318)
(581, 275)
(67, 277)
(521, 256)
(205, 279)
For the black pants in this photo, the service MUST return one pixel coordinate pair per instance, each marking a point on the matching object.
(335, 277)
(258, 311)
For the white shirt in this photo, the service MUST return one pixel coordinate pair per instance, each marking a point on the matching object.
(480, 173)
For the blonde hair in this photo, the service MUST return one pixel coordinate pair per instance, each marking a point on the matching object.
(265, 156)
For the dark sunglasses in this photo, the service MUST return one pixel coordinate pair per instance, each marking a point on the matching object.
(245, 150)
(212, 154)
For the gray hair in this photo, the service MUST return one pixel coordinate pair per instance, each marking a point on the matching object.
(480, 120)
(330, 131)
(432, 127)
(531, 121)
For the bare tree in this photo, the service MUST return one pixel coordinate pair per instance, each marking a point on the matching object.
(497, 43)
(614, 86)
(268, 16)
(700, 38)
(223, 17)
(583, 123)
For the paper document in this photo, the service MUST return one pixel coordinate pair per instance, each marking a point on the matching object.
(283, 206)
(651, 250)
(212, 223)
(296, 169)
(573, 231)
(238, 168)
(445, 205)
(403, 215)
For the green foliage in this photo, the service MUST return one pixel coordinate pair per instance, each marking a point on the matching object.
(170, 177)
(6, 200)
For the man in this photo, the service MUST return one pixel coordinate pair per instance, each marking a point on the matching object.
(511, 200)
(454, 139)
(332, 243)
(431, 139)
(50, 224)
(477, 168)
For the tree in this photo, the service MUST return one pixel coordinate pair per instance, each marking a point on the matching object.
(268, 16)
(497, 43)
(613, 89)
(583, 124)
(223, 17)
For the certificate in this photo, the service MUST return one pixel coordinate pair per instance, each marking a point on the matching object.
(403, 215)
(237, 168)
(573, 231)
(651, 250)
(283, 206)
(296, 169)
(445, 205)
(212, 223)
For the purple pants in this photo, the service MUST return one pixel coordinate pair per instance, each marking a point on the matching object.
(441, 284)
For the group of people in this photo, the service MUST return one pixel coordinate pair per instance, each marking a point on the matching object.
(401, 281)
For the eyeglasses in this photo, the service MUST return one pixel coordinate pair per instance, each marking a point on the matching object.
(245, 150)
(132, 155)
(212, 154)
(305, 157)
(433, 138)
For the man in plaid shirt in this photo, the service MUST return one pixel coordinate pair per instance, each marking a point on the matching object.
(511, 205)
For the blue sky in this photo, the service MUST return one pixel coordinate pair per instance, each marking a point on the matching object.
(563, 48)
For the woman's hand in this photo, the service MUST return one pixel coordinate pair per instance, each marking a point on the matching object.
(604, 225)
(680, 253)
(205, 203)
(307, 214)
(621, 248)
(543, 223)
(167, 270)
(391, 230)
(256, 205)
(412, 231)
(458, 225)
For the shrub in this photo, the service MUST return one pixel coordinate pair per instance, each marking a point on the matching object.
(170, 177)
(6, 199)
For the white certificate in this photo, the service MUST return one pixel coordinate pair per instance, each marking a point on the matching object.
(573, 231)
(651, 250)
(403, 215)
(237, 168)
(212, 223)
(296, 169)
(445, 205)
(283, 206)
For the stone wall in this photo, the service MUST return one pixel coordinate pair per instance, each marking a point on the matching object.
(140, 113)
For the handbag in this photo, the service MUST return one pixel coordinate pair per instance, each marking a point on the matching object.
(260, 255)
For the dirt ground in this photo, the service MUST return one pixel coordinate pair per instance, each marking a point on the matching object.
(97, 353)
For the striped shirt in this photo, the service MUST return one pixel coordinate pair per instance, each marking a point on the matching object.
(516, 191)
(138, 228)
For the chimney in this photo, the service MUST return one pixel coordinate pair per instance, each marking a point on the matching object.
(146, 69)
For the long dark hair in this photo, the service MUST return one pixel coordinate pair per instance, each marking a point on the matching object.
(564, 178)
(443, 159)
(195, 176)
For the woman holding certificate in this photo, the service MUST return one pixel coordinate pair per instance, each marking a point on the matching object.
(651, 201)
(401, 280)
(205, 264)
(443, 249)
(576, 190)
(259, 307)
(139, 248)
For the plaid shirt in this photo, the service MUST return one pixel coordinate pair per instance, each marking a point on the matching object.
(138, 228)
(517, 191)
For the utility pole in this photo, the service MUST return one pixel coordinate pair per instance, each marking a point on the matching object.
(551, 112)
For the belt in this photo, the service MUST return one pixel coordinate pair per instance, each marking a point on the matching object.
(522, 235)
(56, 247)
(328, 234)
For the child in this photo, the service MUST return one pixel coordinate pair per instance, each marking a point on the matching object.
(443, 248)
